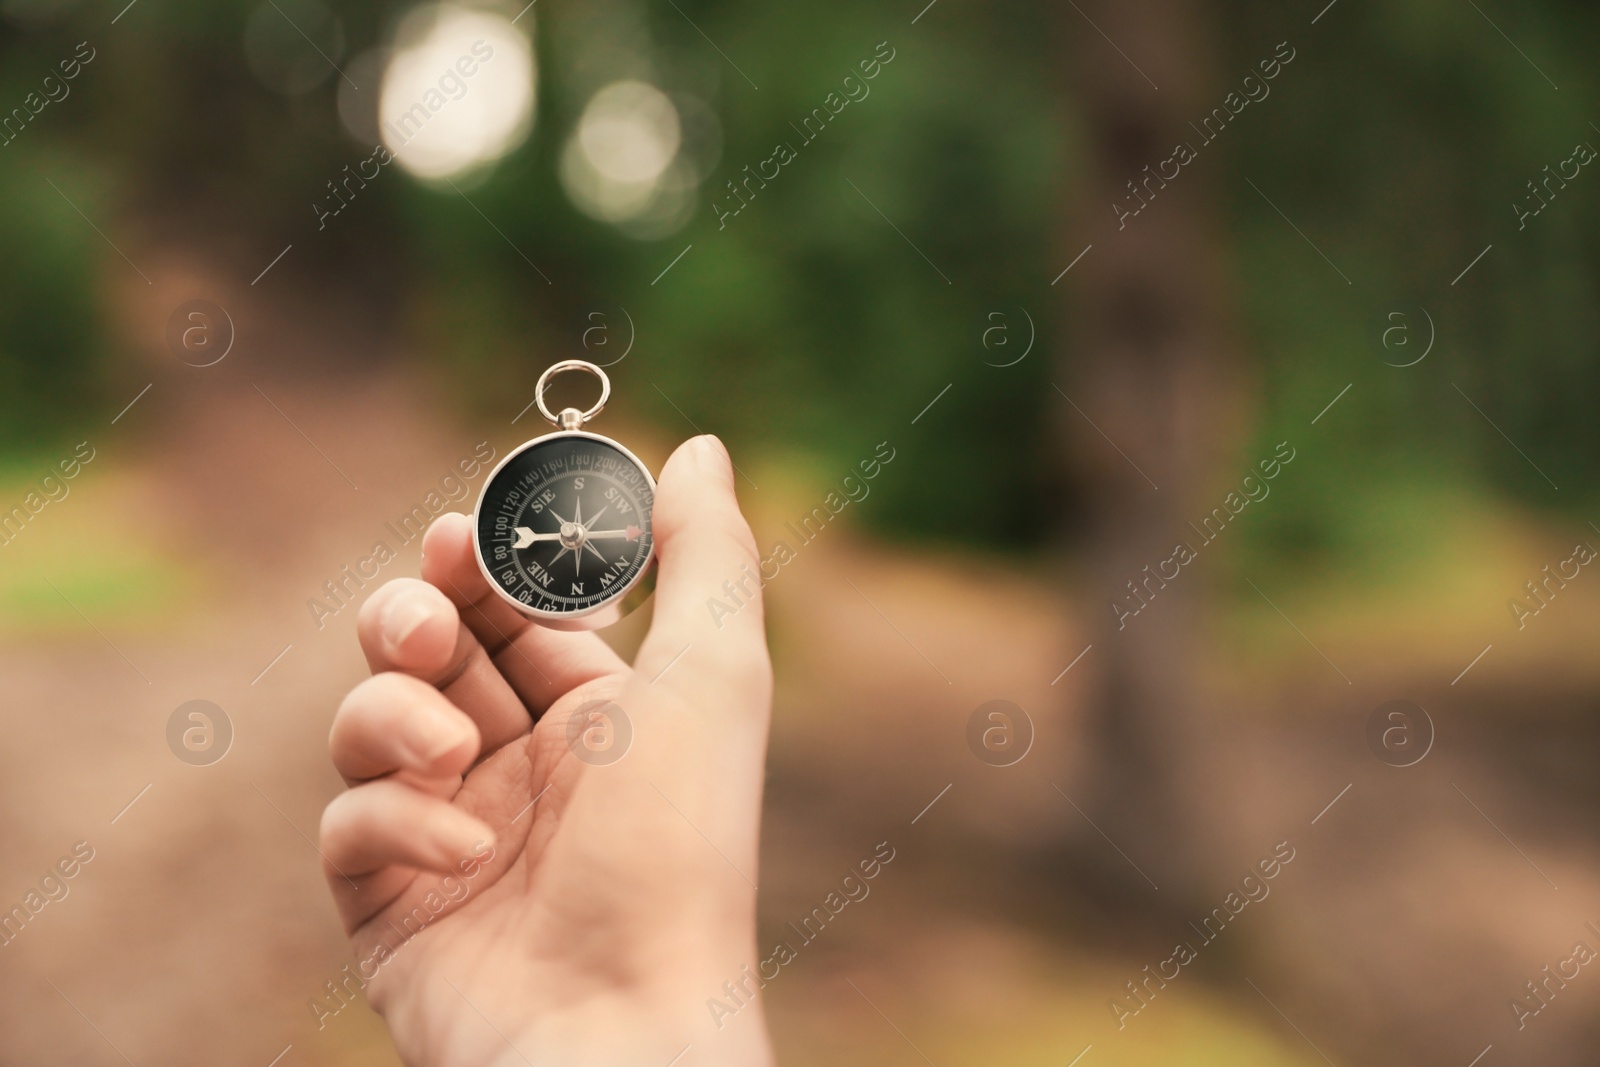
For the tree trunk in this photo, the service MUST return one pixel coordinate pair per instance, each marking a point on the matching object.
(1153, 385)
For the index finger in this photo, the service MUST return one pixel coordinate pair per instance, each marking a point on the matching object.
(541, 664)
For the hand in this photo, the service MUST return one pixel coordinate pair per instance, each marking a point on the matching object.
(511, 903)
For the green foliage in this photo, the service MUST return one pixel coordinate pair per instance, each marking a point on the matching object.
(50, 347)
(858, 284)
(1399, 142)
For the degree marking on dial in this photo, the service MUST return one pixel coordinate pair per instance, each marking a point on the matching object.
(536, 489)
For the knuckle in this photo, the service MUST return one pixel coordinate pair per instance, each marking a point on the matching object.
(744, 540)
(734, 543)
(737, 663)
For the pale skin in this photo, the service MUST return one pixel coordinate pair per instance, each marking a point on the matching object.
(592, 926)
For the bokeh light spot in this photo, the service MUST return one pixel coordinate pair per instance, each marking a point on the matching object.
(458, 91)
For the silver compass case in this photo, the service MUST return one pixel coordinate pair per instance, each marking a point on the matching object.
(563, 527)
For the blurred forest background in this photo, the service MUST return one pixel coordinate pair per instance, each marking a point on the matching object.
(948, 266)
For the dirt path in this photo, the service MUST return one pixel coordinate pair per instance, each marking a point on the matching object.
(200, 928)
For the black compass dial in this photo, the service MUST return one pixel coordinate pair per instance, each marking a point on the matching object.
(564, 525)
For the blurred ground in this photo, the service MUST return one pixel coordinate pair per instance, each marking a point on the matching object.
(181, 564)
(902, 255)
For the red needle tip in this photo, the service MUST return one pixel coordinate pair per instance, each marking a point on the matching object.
(633, 533)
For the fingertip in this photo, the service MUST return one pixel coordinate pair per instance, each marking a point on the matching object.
(696, 490)
(702, 459)
(447, 541)
(408, 625)
(445, 742)
(389, 822)
(397, 722)
(712, 450)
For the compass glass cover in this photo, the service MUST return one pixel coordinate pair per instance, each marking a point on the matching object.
(564, 524)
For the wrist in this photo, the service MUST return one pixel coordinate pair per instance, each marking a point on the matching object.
(625, 1028)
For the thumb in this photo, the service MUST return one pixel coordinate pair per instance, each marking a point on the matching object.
(708, 591)
(687, 797)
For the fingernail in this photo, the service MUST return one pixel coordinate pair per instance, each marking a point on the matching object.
(400, 621)
(712, 454)
(440, 735)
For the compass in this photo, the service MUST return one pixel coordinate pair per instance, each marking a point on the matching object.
(563, 524)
